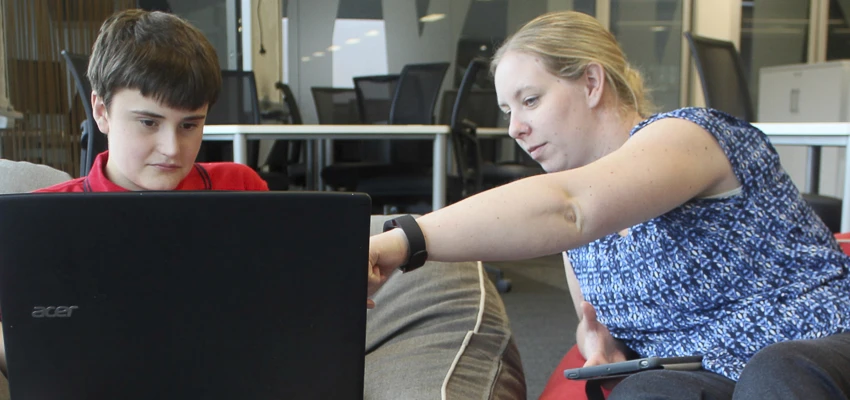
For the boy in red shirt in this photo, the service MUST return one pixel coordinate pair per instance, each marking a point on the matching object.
(153, 78)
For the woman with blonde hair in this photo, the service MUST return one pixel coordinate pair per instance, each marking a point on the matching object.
(681, 232)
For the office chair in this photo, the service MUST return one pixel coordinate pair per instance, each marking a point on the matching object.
(374, 95)
(405, 182)
(373, 98)
(725, 87)
(338, 106)
(407, 98)
(238, 104)
(414, 102)
(285, 155)
(92, 140)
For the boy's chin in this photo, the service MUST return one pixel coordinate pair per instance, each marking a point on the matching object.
(159, 180)
(161, 184)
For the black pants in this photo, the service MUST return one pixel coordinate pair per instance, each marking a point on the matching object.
(800, 369)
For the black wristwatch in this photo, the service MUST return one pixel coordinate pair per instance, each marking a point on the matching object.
(416, 253)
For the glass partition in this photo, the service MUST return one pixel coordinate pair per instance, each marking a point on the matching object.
(773, 32)
(650, 33)
(331, 41)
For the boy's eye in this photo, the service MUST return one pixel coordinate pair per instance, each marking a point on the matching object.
(189, 126)
(148, 122)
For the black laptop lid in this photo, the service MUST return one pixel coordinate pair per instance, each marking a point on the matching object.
(221, 295)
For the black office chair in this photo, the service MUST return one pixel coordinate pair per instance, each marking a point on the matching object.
(407, 98)
(415, 102)
(725, 87)
(338, 106)
(92, 140)
(238, 104)
(285, 156)
(374, 96)
(406, 182)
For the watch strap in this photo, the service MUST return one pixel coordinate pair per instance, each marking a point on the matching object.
(416, 252)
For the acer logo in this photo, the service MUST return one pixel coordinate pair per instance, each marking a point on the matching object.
(53, 312)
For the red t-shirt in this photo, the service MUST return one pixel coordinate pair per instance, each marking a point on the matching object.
(204, 176)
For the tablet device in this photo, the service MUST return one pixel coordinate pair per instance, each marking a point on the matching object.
(624, 368)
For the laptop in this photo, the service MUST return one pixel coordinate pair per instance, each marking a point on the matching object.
(178, 295)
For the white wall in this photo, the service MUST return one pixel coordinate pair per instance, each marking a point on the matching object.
(310, 29)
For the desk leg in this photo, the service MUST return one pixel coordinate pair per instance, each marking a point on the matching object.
(326, 156)
(240, 148)
(813, 170)
(438, 194)
(310, 161)
(845, 201)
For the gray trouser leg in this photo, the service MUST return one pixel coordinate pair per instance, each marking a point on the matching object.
(674, 385)
(799, 369)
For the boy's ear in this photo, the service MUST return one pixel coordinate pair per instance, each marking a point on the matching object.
(99, 113)
(594, 80)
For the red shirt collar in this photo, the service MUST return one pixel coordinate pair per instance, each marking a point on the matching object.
(96, 181)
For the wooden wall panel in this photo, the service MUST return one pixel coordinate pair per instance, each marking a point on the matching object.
(39, 85)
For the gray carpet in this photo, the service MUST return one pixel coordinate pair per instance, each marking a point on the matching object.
(542, 316)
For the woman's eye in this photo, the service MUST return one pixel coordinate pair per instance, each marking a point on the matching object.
(530, 101)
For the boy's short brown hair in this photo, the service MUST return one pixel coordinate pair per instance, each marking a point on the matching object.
(160, 54)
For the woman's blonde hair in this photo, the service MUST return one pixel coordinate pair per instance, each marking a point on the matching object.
(567, 41)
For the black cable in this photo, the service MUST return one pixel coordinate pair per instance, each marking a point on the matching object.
(260, 27)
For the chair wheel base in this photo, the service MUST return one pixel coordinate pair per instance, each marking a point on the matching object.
(503, 285)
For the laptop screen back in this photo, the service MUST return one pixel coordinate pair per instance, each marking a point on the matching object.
(219, 295)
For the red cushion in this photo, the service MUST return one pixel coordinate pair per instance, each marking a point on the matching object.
(844, 241)
(559, 387)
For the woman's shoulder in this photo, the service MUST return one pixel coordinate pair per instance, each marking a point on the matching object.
(708, 118)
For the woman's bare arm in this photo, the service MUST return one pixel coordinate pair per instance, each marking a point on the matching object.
(666, 164)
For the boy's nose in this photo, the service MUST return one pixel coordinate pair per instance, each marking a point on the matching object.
(169, 144)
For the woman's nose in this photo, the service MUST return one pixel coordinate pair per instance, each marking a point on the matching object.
(517, 128)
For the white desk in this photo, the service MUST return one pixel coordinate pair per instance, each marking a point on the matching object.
(816, 134)
(240, 134)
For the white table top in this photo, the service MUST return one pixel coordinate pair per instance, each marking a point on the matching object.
(773, 129)
(808, 128)
(226, 132)
(806, 133)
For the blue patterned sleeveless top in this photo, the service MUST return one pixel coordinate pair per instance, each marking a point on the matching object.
(721, 277)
